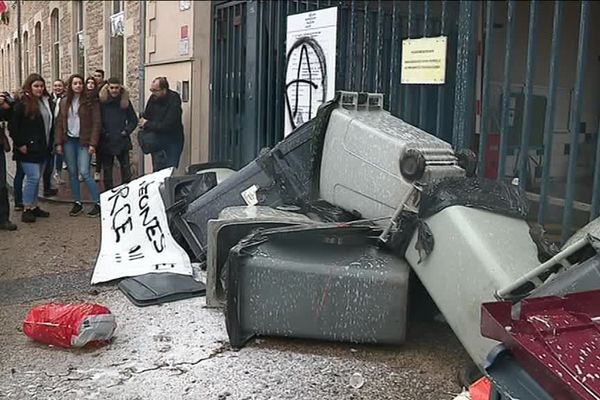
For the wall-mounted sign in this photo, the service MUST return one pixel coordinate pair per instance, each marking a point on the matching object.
(117, 24)
(184, 32)
(310, 64)
(424, 61)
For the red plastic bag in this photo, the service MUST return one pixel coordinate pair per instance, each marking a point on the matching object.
(69, 325)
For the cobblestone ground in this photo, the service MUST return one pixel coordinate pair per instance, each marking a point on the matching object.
(180, 350)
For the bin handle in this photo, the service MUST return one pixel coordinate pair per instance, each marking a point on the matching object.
(533, 275)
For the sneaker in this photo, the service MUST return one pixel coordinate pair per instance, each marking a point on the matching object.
(19, 207)
(28, 216)
(94, 211)
(7, 226)
(64, 166)
(97, 176)
(76, 210)
(50, 192)
(39, 213)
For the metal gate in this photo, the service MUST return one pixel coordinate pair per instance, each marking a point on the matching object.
(248, 81)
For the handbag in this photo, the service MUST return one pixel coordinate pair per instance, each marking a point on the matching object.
(150, 141)
(4, 142)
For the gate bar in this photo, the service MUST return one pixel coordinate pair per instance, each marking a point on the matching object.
(365, 41)
(527, 117)
(408, 92)
(510, 28)
(424, 91)
(596, 196)
(442, 88)
(351, 84)
(379, 54)
(574, 123)
(394, 63)
(464, 109)
(549, 118)
(485, 97)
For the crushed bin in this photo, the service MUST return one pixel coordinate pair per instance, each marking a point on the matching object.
(371, 159)
(282, 175)
(233, 224)
(326, 282)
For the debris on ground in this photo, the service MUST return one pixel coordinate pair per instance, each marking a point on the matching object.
(70, 325)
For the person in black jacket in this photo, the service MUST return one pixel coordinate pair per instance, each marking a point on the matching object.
(31, 127)
(118, 122)
(163, 116)
(5, 108)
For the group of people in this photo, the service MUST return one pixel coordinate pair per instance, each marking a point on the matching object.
(80, 119)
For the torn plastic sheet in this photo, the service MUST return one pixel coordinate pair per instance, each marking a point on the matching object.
(323, 211)
(498, 197)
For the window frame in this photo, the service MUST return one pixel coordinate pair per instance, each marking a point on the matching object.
(55, 43)
(38, 47)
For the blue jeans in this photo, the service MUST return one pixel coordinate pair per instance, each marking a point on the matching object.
(32, 172)
(77, 158)
(18, 183)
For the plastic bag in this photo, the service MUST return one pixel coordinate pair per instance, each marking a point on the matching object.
(498, 197)
(69, 325)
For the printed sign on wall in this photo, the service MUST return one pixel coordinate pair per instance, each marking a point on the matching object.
(310, 64)
(135, 234)
(424, 61)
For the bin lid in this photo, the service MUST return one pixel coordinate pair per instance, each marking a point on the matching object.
(556, 339)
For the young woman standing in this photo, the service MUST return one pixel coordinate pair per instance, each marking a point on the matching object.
(77, 134)
(31, 127)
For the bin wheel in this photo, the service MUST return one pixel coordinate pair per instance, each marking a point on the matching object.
(468, 374)
(467, 160)
(412, 165)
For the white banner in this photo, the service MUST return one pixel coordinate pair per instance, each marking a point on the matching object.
(310, 64)
(135, 233)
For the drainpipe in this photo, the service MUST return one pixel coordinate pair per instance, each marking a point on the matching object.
(142, 72)
(20, 68)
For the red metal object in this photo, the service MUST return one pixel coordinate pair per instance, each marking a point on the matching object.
(492, 156)
(556, 339)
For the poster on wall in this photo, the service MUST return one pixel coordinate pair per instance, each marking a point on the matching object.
(135, 233)
(310, 64)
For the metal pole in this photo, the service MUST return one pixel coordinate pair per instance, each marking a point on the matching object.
(485, 97)
(510, 27)
(574, 123)
(18, 51)
(442, 88)
(549, 119)
(527, 117)
(465, 72)
(142, 77)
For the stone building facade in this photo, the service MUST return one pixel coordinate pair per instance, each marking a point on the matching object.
(133, 40)
(59, 38)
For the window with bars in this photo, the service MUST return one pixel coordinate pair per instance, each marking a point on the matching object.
(117, 27)
(38, 48)
(55, 38)
(25, 53)
(79, 38)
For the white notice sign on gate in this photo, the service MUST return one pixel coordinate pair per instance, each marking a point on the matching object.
(310, 64)
(135, 233)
